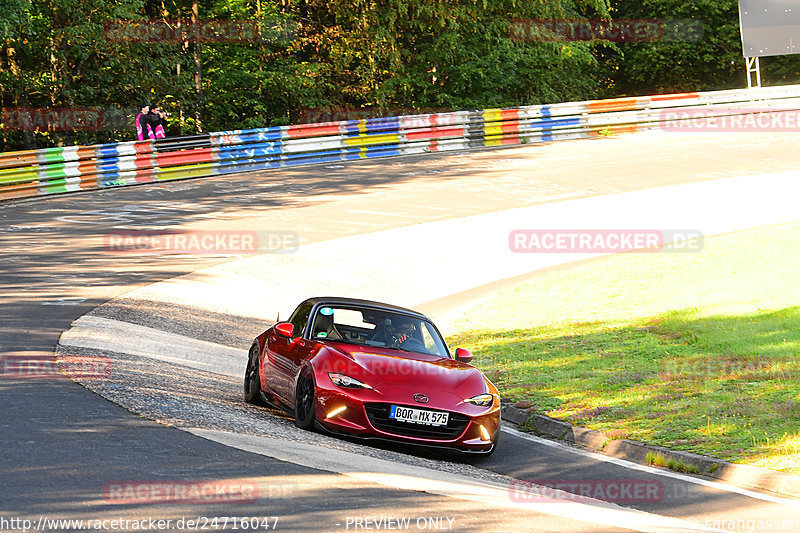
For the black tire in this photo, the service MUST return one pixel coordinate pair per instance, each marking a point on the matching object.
(252, 378)
(305, 402)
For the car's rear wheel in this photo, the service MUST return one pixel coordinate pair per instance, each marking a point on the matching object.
(252, 378)
(305, 401)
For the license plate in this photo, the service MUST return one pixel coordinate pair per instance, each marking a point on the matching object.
(418, 416)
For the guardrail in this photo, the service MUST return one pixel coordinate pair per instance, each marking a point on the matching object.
(79, 168)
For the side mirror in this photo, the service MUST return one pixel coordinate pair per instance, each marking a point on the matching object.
(284, 329)
(465, 356)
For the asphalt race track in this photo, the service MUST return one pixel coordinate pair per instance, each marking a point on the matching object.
(66, 448)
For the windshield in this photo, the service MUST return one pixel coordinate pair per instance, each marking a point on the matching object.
(373, 327)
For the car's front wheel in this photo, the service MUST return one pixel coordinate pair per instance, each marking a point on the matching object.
(252, 378)
(305, 401)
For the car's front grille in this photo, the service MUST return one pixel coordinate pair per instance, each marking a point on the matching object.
(378, 414)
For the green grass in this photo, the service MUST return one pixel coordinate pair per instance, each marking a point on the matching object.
(673, 464)
(693, 351)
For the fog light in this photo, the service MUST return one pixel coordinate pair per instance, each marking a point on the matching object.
(337, 411)
(485, 434)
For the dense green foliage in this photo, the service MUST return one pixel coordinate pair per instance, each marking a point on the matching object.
(710, 59)
(351, 57)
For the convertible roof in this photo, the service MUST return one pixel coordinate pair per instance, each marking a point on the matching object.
(338, 300)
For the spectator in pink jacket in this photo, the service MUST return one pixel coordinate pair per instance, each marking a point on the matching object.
(150, 122)
(158, 129)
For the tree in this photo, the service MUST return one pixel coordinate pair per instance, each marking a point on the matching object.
(699, 50)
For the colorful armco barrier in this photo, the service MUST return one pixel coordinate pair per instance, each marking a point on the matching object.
(79, 168)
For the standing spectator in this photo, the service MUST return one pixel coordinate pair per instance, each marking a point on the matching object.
(142, 126)
(158, 128)
(147, 121)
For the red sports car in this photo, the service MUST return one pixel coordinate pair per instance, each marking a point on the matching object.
(373, 370)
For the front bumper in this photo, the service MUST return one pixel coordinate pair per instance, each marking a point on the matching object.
(363, 414)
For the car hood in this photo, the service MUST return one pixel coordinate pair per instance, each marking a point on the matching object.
(378, 366)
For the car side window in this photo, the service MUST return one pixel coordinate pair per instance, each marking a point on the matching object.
(299, 318)
(433, 342)
(427, 338)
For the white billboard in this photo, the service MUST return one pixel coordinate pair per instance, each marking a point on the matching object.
(769, 27)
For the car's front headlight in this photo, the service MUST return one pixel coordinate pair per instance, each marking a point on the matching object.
(346, 382)
(482, 400)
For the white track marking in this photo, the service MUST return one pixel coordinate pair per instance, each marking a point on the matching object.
(72, 300)
(386, 214)
(651, 470)
(123, 337)
(409, 477)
